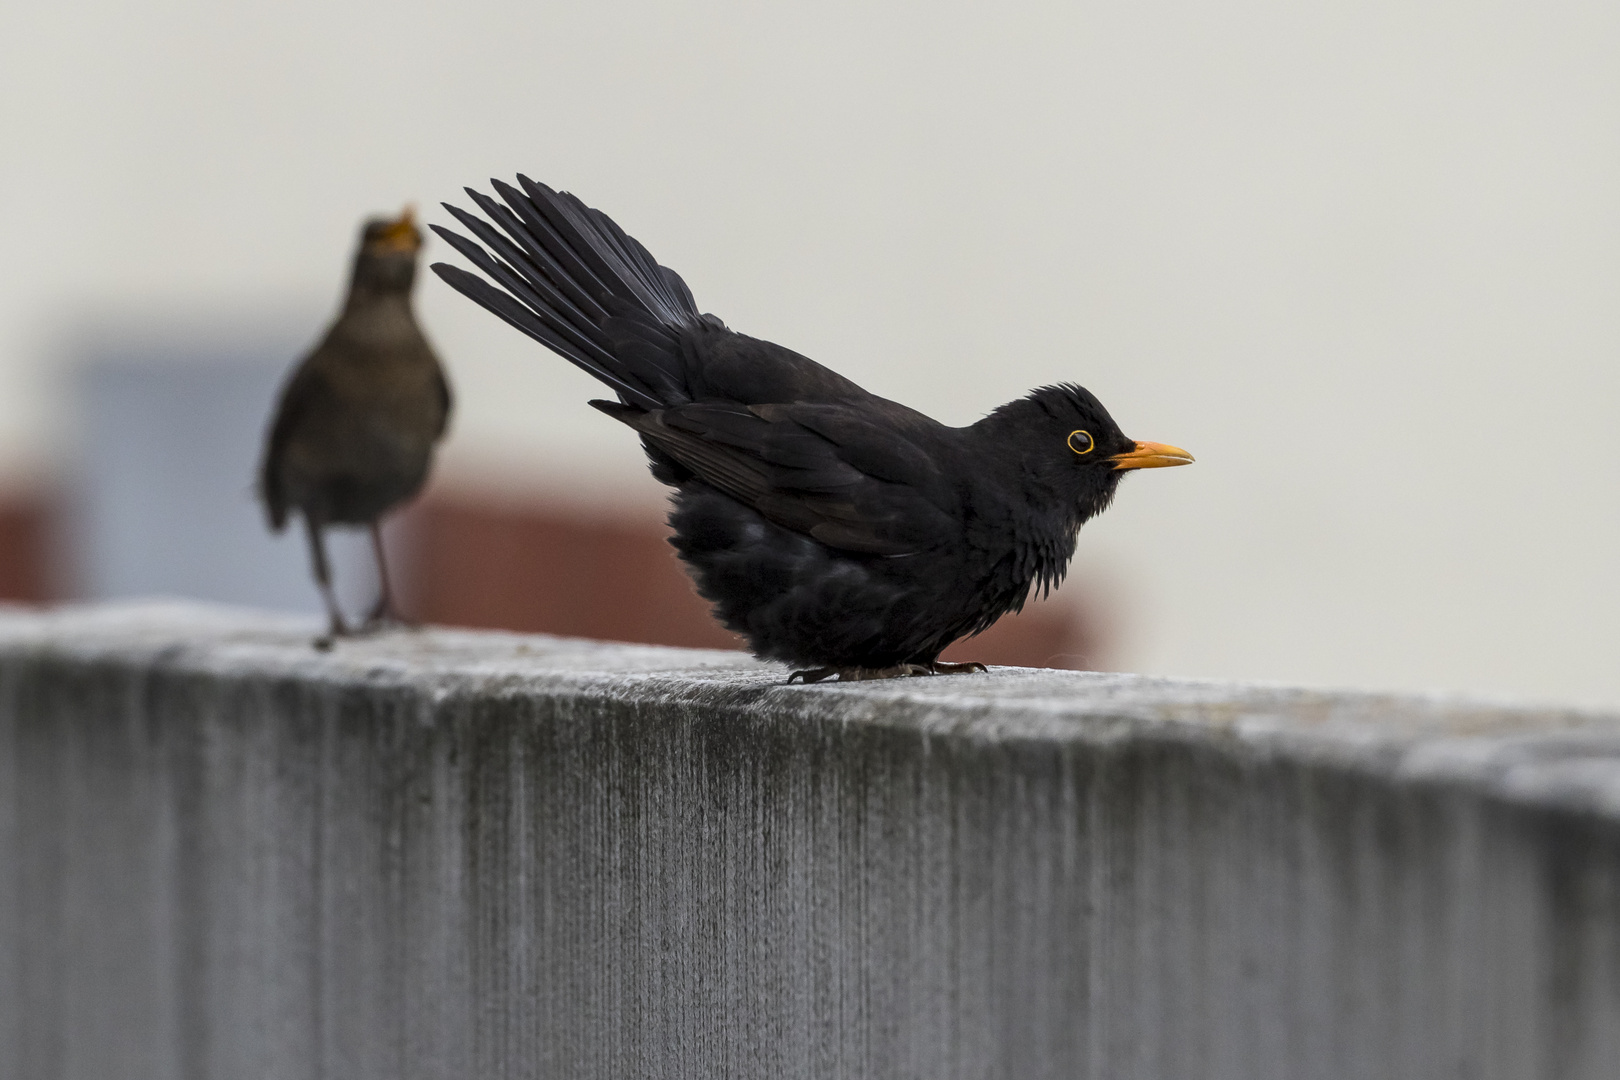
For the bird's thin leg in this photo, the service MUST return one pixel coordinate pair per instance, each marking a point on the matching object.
(383, 612)
(940, 667)
(323, 578)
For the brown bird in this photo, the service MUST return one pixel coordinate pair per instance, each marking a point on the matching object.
(354, 431)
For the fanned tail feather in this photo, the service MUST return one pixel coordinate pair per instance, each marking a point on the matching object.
(569, 277)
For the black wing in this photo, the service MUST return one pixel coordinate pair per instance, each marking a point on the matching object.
(302, 388)
(823, 470)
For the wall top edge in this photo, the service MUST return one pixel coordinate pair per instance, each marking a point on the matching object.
(1564, 757)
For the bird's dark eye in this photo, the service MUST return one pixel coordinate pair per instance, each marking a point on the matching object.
(1080, 442)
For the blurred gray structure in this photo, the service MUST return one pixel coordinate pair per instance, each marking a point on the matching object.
(164, 502)
(455, 854)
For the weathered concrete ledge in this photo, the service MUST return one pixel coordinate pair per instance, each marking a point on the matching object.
(457, 855)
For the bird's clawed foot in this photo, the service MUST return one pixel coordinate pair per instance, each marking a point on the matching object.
(379, 621)
(972, 667)
(337, 629)
(384, 619)
(898, 671)
(859, 674)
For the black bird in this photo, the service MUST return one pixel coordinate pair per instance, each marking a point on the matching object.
(353, 434)
(835, 530)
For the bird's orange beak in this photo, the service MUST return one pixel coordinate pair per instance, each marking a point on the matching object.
(402, 234)
(1151, 455)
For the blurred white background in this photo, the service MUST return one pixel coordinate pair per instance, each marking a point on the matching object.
(1361, 259)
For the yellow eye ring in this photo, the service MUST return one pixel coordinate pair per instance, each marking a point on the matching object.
(1081, 442)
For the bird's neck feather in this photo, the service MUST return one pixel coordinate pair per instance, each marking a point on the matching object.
(365, 297)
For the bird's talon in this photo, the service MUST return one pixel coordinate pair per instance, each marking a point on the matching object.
(336, 629)
(381, 624)
(861, 674)
(971, 667)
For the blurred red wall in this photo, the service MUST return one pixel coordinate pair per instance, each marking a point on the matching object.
(28, 570)
(539, 569)
(476, 563)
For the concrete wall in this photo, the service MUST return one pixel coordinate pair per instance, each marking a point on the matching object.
(459, 855)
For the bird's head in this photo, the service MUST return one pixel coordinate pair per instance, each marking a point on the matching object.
(1071, 449)
(387, 256)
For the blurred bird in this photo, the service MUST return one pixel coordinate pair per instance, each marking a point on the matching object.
(353, 434)
(837, 531)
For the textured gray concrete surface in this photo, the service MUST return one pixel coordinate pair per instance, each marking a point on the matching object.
(457, 855)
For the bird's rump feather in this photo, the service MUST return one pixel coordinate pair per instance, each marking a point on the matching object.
(792, 475)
